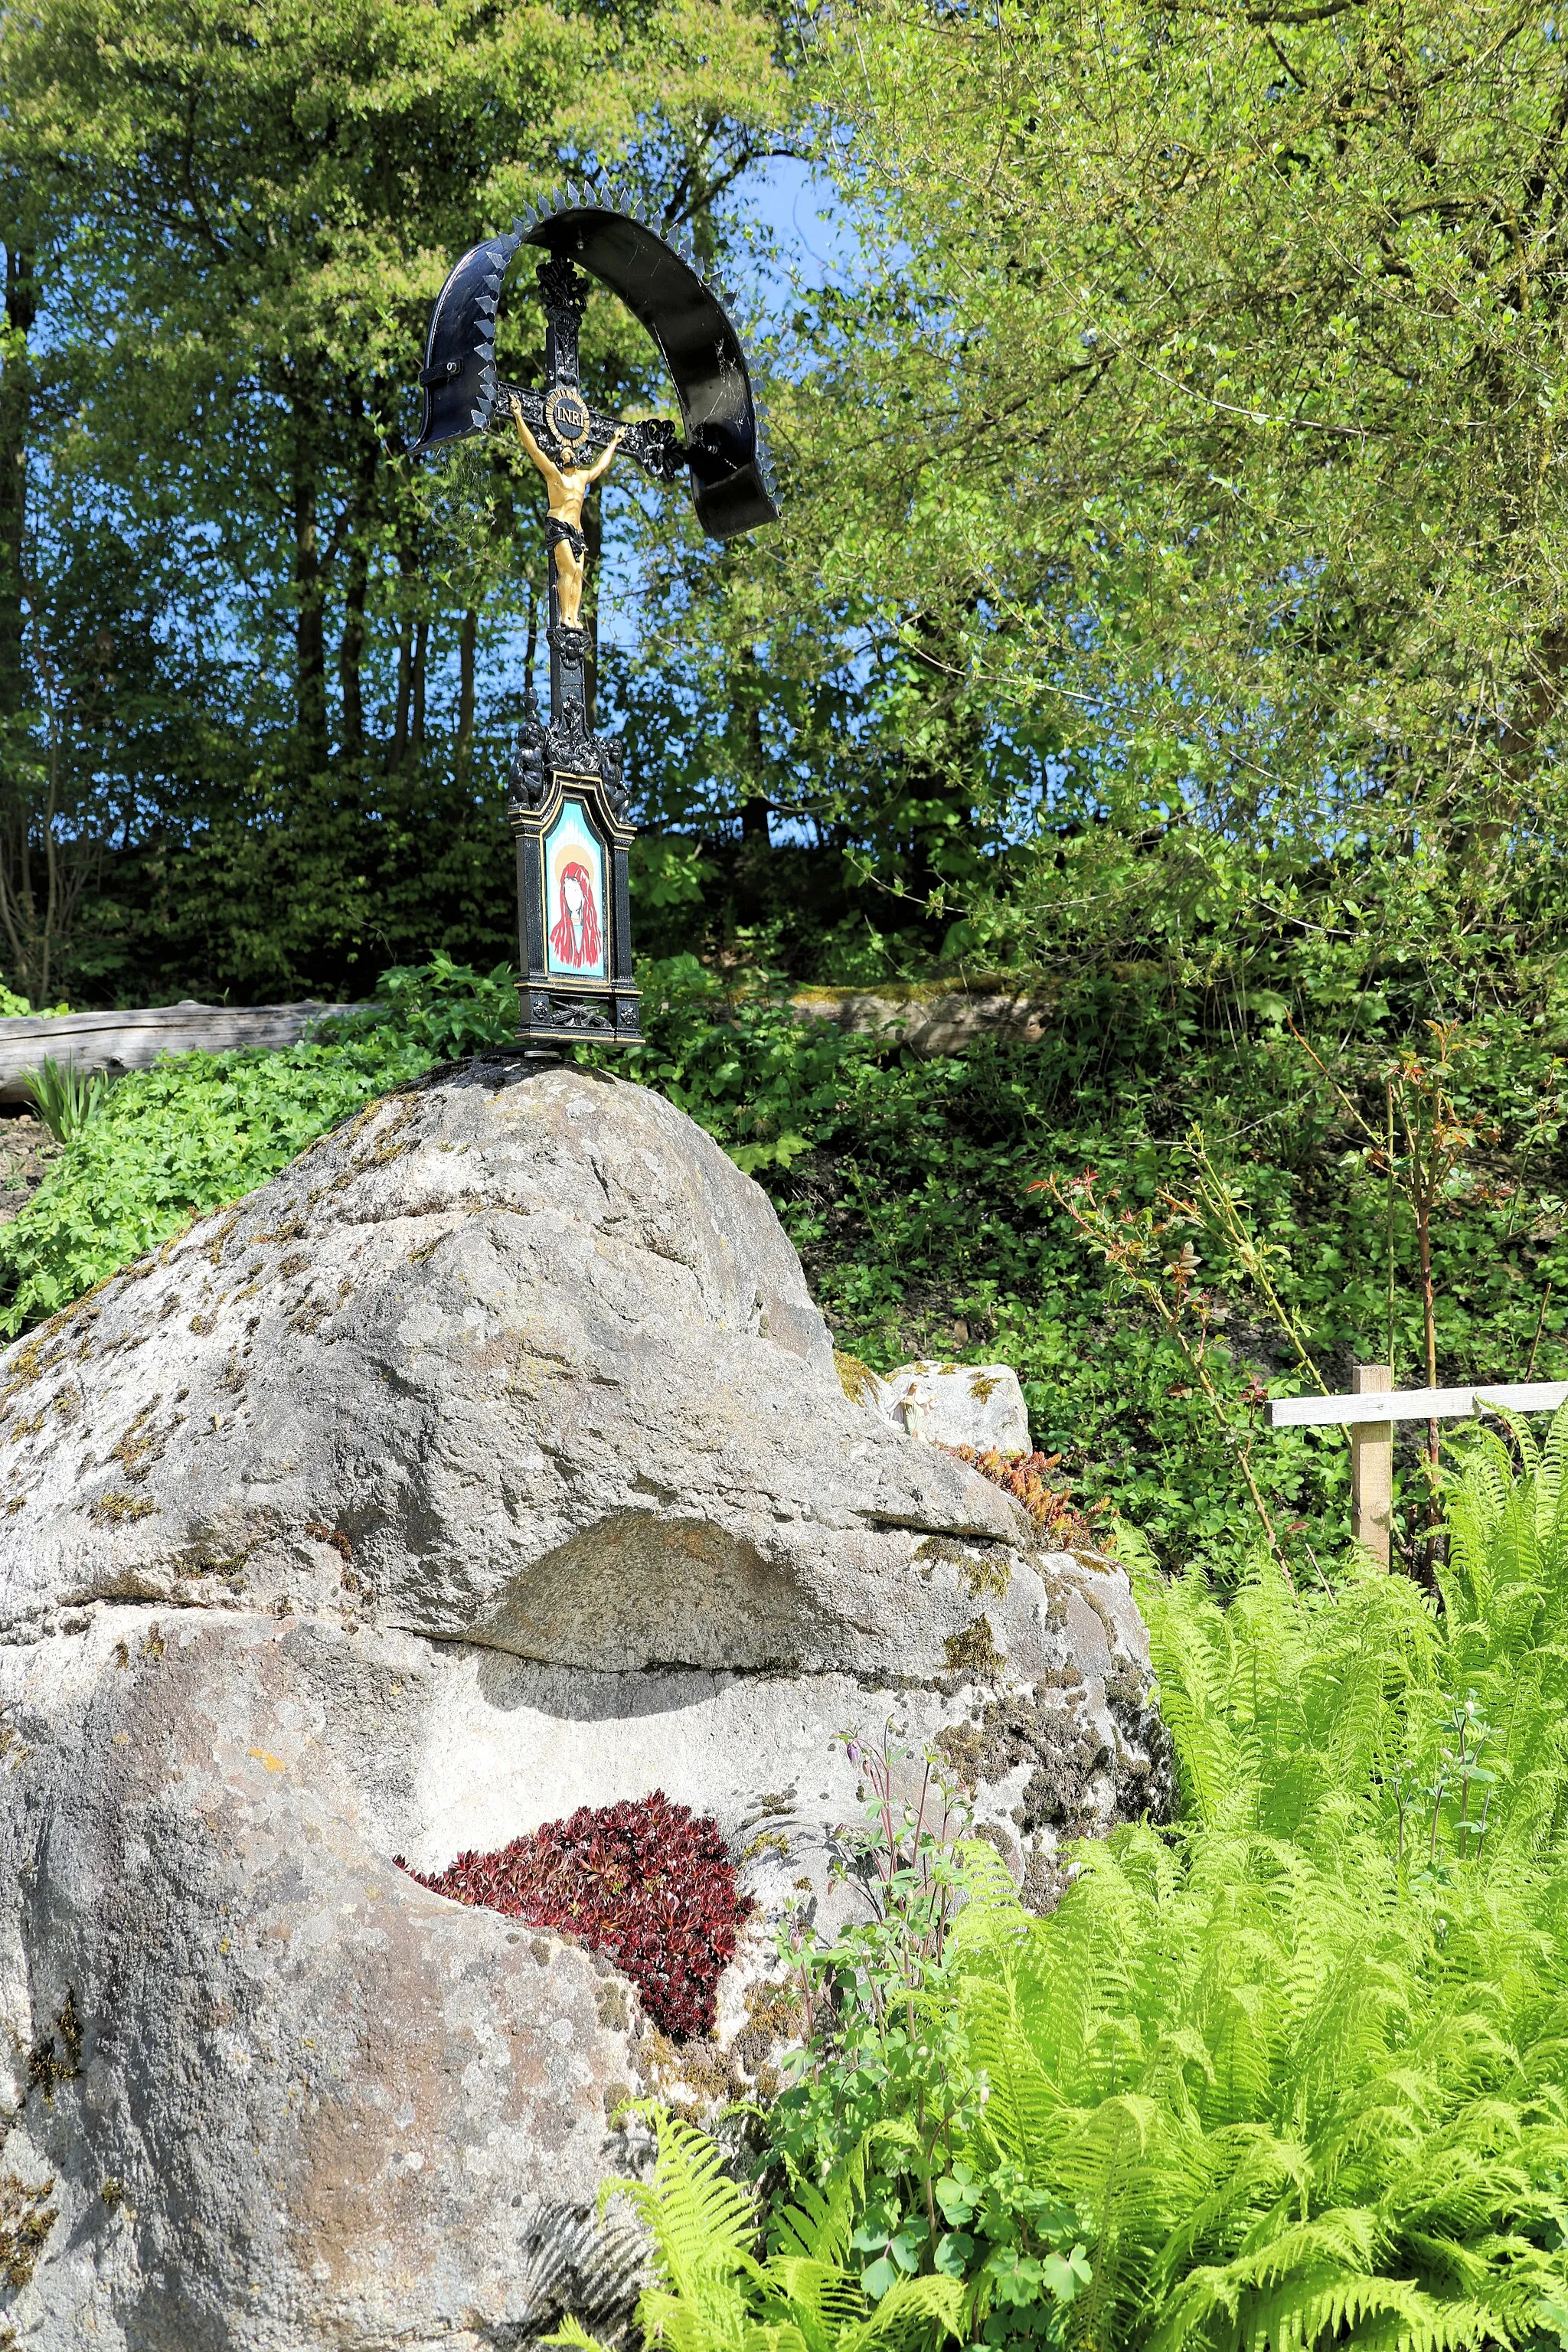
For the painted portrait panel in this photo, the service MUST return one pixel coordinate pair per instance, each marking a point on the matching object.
(574, 877)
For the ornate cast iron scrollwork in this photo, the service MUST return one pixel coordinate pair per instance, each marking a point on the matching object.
(528, 778)
(537, 750)
(582, 1019)
(615, 791)
(571, 643)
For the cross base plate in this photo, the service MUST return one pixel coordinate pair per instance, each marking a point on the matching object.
(568, 1016)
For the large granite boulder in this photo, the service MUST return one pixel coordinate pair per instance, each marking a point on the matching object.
(489, 1461)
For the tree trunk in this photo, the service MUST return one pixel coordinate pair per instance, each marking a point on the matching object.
(399, 750)
(351, 649)
(467, 640)
(32, 932)
(755, 838)
(15, 412)
(421, 652)
(407, 665)
(309, 634)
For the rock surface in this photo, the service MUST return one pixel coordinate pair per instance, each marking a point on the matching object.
(959, 1404)
(489, 1461)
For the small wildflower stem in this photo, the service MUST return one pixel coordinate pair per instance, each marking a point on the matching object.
(1539, 1328)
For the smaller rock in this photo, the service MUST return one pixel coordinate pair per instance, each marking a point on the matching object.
(959, 1404)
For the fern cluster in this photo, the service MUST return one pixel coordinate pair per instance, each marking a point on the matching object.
(1310, 2089)
(1300, 2064)
(712, 2293)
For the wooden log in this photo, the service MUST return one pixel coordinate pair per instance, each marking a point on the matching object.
(932, 1020)
(929, 1020)
(118, 1042)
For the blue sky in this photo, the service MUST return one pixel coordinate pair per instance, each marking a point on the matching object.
(797, 215)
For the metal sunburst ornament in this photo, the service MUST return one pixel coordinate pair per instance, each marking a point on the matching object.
(568, 803)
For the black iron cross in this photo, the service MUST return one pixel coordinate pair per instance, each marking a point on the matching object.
(563, 434)
(568, 800)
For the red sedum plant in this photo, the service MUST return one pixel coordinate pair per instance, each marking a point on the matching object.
(647, 1883)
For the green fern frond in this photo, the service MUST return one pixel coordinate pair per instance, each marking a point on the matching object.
(702, 2227)
(911, 2313)
(573, 2334)
(817, 2226)
(1300, 2062)
(821, 2300)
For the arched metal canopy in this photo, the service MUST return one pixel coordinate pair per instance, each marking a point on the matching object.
(661, 286)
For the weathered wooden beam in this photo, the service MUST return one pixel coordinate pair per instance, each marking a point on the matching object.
(1417, 1404)
(927, 1020)
(932, 1020)
(118, 1042)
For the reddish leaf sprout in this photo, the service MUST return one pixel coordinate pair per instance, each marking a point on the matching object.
(1025, 1477)
(647, 1883)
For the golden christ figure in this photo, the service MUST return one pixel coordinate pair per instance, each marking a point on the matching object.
(567, 487)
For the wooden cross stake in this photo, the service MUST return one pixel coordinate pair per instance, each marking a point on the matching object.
(1372, 1468)
(1370, 1415)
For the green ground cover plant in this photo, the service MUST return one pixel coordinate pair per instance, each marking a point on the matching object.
(913, 1190)
(1288, 2073)
(169, 1144)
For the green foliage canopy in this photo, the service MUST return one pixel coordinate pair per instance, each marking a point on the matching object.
(241, 636)
(1180, 464)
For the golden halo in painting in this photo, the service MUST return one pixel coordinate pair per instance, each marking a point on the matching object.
(566, 413)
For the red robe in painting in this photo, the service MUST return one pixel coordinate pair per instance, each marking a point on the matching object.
(575, 937)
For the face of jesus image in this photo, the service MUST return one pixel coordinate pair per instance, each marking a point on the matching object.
(574, 940)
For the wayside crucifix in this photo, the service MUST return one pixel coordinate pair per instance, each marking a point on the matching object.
(568, 801)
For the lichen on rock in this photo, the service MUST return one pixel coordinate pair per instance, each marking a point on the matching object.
(26, 2217)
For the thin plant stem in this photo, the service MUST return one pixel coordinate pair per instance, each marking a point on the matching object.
(1219, 1209)
(1388, 1222)
(1539, 1328)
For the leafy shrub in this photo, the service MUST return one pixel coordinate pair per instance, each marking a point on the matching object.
(1300, 2063)
(447, 1008)
(13, 1007)
(887, 2099)
(174, 1141)
(907, 1187)
(646, 1882)
(736, 1059)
